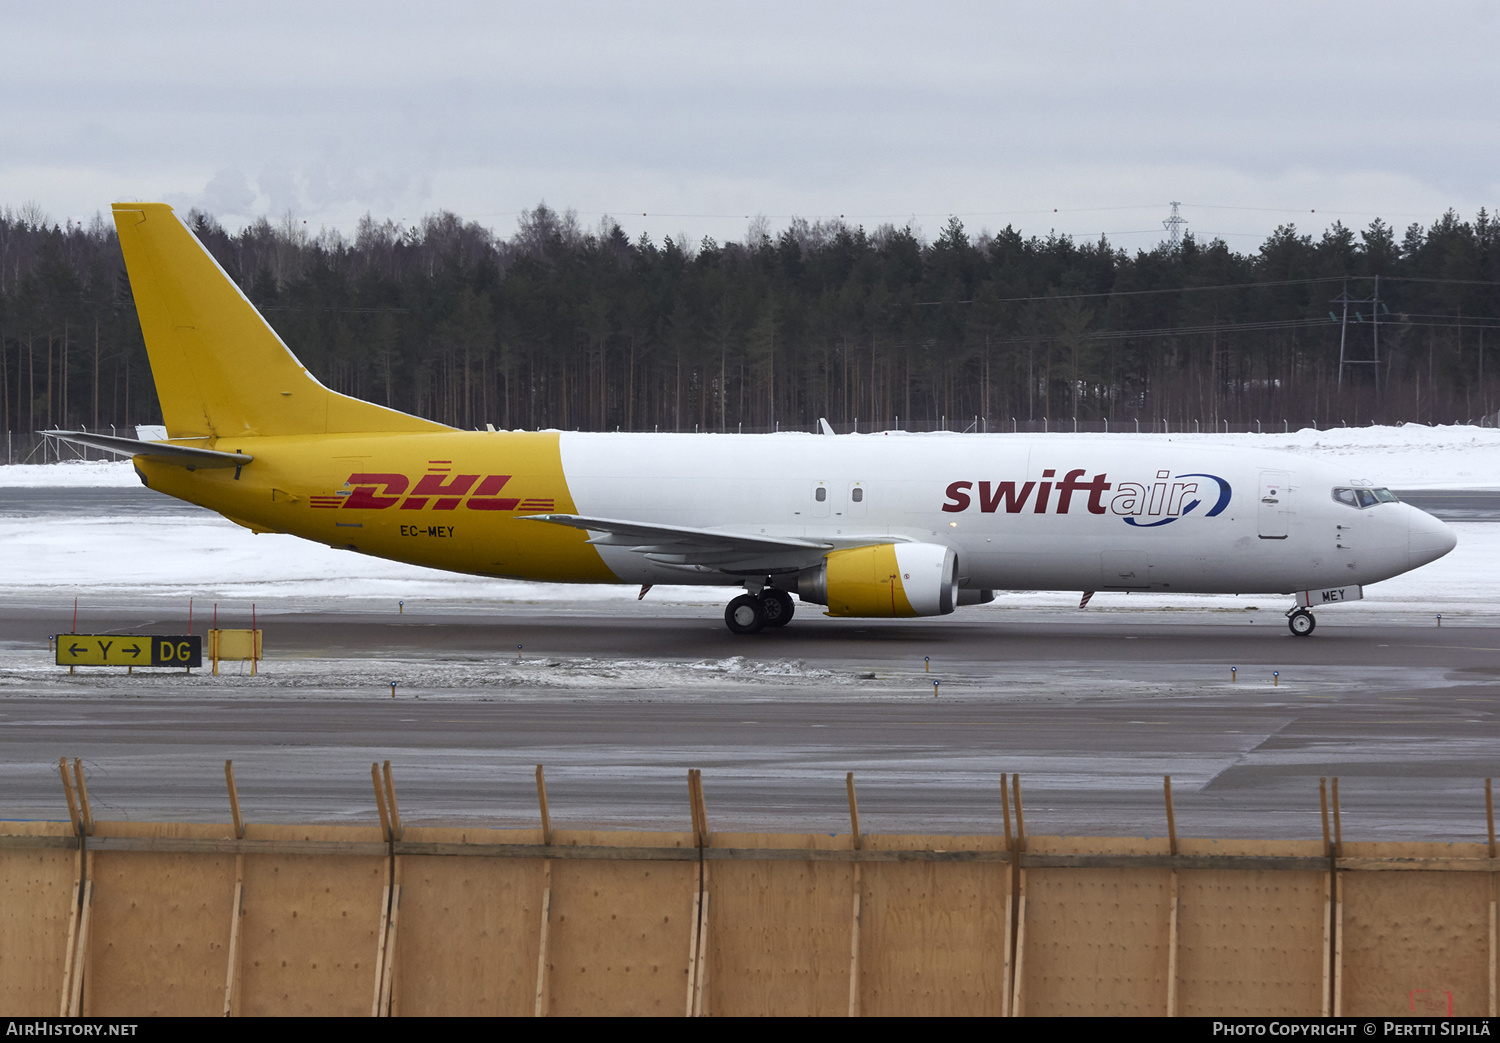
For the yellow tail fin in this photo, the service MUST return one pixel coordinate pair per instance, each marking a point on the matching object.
(220, 370)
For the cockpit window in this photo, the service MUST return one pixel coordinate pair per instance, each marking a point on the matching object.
(1362, 498)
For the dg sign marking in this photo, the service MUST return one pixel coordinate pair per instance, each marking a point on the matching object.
(128, 650)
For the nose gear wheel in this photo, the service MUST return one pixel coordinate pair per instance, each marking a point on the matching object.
(1301, 622)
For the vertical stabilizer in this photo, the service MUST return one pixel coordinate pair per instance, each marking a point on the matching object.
(220, 370)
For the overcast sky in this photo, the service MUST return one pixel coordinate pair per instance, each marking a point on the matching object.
(691, 117)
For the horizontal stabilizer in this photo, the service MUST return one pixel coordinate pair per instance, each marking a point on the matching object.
(181, 455)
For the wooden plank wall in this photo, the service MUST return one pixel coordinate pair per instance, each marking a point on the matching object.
(160, 931)
(36, 908)
(1415, 943)
(1100, 941)
(470, 927)
(621, 930)
(779, 931)
(311, 925)
(1095, 940)
(333, 920)
(934, 933)
(1251, 943)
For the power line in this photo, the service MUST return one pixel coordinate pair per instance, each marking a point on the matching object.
(1313, 280)
(1135, 293)
(1217, 328)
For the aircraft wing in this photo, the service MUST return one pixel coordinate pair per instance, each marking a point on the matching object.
(701, 549)
(182, 455)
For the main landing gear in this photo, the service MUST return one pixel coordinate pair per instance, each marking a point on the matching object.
(1300, 621)
(751, 613)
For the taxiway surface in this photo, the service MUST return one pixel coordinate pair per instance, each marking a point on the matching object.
(1091, 709)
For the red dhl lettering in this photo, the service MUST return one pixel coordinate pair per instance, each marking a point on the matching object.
(363, 496)
(485, 498)
(373, 491)
(433, 485)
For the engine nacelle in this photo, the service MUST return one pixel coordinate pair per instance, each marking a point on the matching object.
(885, 580)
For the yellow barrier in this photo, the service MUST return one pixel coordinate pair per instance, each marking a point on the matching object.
(236, 646)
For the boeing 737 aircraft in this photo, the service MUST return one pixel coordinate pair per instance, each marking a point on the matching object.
(867, 525)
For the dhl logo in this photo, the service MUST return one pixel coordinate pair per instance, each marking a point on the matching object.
(369, 491)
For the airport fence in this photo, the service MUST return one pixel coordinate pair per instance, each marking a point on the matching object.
(136, 919)
(34, 447)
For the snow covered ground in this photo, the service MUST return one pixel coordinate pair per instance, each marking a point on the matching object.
(208, 557)
(1410, 456)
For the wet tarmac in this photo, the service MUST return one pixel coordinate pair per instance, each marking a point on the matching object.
(1090, 709)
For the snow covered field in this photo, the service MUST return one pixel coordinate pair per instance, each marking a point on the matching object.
(1410, 456)
(206, 556)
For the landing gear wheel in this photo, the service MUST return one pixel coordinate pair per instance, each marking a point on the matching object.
(745, 615)
(1301, 622)
(777, 607)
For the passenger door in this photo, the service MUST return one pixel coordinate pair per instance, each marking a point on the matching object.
(821, 495)
(1275, 496)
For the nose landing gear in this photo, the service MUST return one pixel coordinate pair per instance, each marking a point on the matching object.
(1301, 622)
(752, 613)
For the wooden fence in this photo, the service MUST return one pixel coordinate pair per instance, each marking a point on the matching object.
(135, 919)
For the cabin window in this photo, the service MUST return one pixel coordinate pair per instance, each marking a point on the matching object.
(821, 494)
(857, 495)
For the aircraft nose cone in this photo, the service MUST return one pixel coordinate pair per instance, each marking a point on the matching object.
(1427, 539)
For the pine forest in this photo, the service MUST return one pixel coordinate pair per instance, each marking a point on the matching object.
(565, 326)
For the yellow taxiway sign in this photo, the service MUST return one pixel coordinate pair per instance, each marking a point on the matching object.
(128, 650)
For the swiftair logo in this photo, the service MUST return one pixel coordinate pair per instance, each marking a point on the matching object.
(1145, 505)
(439, 488)
(1166, 499)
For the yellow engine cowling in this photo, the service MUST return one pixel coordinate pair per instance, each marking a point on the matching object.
(888, 580)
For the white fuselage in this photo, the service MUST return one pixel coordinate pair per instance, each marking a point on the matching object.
(1062, 513)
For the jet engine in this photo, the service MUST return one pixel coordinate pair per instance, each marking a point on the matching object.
(885, 580)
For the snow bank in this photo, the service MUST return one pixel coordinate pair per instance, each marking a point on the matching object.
(1410, 456)
(207, 556)
(85, 474)
(204, 555)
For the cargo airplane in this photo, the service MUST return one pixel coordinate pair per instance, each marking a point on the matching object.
(892, 525)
